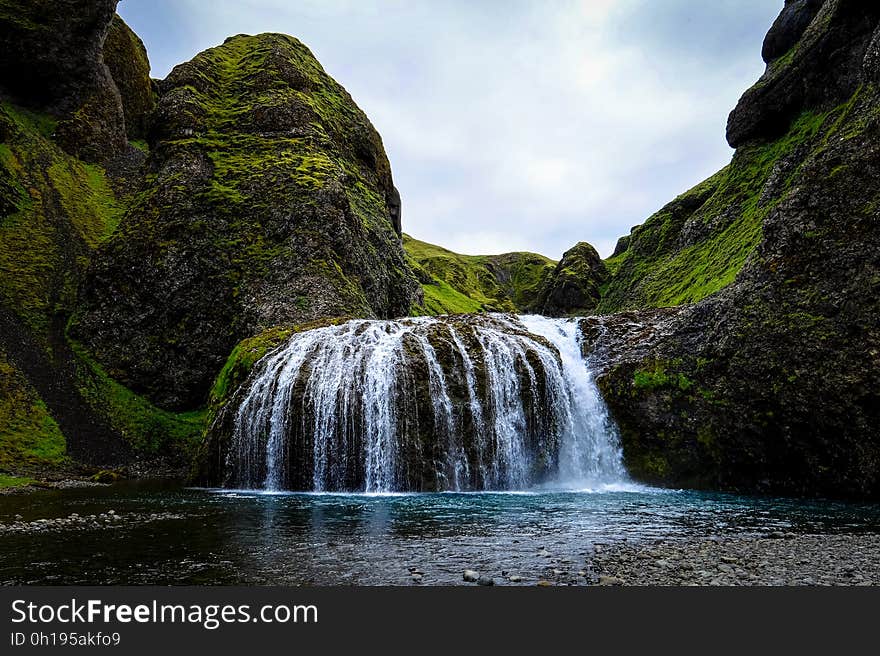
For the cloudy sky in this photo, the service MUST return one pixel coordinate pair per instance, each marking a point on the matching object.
(514, 124)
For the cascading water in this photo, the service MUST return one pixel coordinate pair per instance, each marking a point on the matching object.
(429, 404)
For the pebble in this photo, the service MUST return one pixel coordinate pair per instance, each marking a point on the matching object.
(783, 559)
(514, 578)
(471, 576)
(484, 580)
(75, 521)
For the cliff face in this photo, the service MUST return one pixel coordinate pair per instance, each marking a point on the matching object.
(819, 55)
(51, 60)
(770, 384)
(126, 59)
(268, 200)
(56, 209)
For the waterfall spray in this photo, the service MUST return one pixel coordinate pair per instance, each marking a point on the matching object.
(429, 404)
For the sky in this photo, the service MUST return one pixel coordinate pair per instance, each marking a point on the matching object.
(514, 124)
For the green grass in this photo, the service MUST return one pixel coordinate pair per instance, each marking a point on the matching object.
(242, 359)
(141, 145)
(440, 298)
(42, 124)
(145, 427)
(657, 377)
(86, 199)
(657, 271)
(456, 284)
(29, 436)
(7, 481)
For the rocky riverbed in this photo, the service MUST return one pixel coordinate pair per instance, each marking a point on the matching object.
(74, 521)
(776, 559)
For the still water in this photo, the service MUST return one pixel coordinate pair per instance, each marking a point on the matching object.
(225, 537)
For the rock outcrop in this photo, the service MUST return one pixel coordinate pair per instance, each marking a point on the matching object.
(269, 200)
(770, 385)
(816, 55)
(51, 60)
(126, 58)
(60, 411)
(574, 287)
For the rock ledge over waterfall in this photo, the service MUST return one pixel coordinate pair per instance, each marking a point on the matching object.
(460, 403)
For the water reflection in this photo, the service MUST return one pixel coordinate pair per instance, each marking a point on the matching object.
(228, 537)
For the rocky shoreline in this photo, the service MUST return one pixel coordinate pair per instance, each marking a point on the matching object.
(74, 521)
(777, 559)
(774, 559)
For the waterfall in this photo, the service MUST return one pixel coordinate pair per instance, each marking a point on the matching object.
(459, 403)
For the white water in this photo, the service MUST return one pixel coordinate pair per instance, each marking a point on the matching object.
(455, 403)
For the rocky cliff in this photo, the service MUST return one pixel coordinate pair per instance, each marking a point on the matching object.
(268, 200)
(58, 117)
(770, 384)
(575, 284)
(126, 280)
(51, 60)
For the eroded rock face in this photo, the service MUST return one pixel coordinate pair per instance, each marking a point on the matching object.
(769, 383)
(126, 58)
(574, 285)
(51, 59)
(269, 201)
(817, 56)
(789, 27)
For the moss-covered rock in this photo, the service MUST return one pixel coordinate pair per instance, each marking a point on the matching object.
(269, 201)
(458, 284)
(575, 285)
(51, 61)
(126, 57)
(57, 209)
(29, 437)
(839, 35)
(770, 384)
(697, 244)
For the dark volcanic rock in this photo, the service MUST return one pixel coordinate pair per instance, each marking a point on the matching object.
(767, 380)
(821, 63)
(269, 201)
(51, 59)
(789, 27)
(771, 385)
(126, 57)
(574, 285)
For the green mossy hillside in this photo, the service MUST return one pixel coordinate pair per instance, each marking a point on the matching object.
(30, 440)
(7, 481)
(149, 430)
(696, 245)
(269, 202)
(55, 211)
(459, 284)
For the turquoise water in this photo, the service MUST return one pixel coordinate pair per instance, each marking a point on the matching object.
(227, 537)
